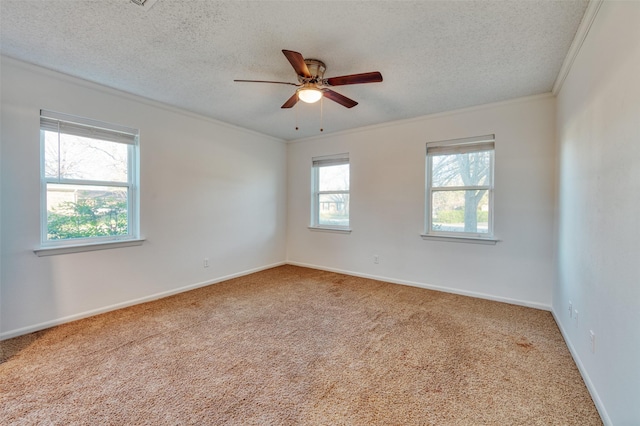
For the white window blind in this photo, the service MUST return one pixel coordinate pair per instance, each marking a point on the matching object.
(85, 127)
(461, 146)
(330, 160)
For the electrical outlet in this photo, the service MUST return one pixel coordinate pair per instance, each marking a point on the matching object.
(376, 259)
(205, 263)
(570, 309)
(575, 316)
(592, 338)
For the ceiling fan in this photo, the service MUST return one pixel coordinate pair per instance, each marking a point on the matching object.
(312, 84)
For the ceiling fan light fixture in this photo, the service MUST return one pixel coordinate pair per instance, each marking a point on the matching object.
(309, 94)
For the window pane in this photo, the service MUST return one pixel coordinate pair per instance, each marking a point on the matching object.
(471, 169)
(51, 154)
(333, 178)
(85, 158)
(460, 211)
(82, 211)
(333, 209)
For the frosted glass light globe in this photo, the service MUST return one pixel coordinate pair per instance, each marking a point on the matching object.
(309, 95)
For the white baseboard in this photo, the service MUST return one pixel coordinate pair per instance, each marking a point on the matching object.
(591, 388)
(583, 372)
(58, 321)
(525, 303)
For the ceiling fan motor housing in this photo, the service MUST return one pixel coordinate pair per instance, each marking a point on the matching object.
(316, 69)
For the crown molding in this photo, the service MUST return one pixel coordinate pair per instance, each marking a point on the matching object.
(581, 34)
(423, 118)
(79, 81)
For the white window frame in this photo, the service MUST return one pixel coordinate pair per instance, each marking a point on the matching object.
(316, 164)
(457, 146)
(80, 126)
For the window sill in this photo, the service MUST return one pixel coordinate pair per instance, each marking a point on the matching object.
(328, 229)
(454, 239)
(52, 251)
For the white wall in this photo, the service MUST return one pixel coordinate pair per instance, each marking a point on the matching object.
(212, 190)
(388, 196)
(599, 210)
(207, 190)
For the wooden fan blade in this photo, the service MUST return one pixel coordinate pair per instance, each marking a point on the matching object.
(367, 77)
(337, 97)
(266, 81)
(291, 101)
(297, 62)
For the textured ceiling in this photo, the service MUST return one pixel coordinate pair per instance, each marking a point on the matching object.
(434, 55)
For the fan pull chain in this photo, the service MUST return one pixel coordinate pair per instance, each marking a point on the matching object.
(296, 107)
(321, 115)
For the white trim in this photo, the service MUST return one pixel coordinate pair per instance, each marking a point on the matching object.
(79, 248)
(328, 229)
(581, 34)
(459, 188)
(448, 147)
(87, 182)
(427, 117)
(583, 372)
(316, 164)
(477, 295)
(129, 96)
(50, 121)
(47, 324)
(461, 239)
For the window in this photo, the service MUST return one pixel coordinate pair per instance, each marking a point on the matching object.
(89, 181)
(330, 192)
(460, 188)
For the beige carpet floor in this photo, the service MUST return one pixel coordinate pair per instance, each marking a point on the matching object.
(290, 346)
